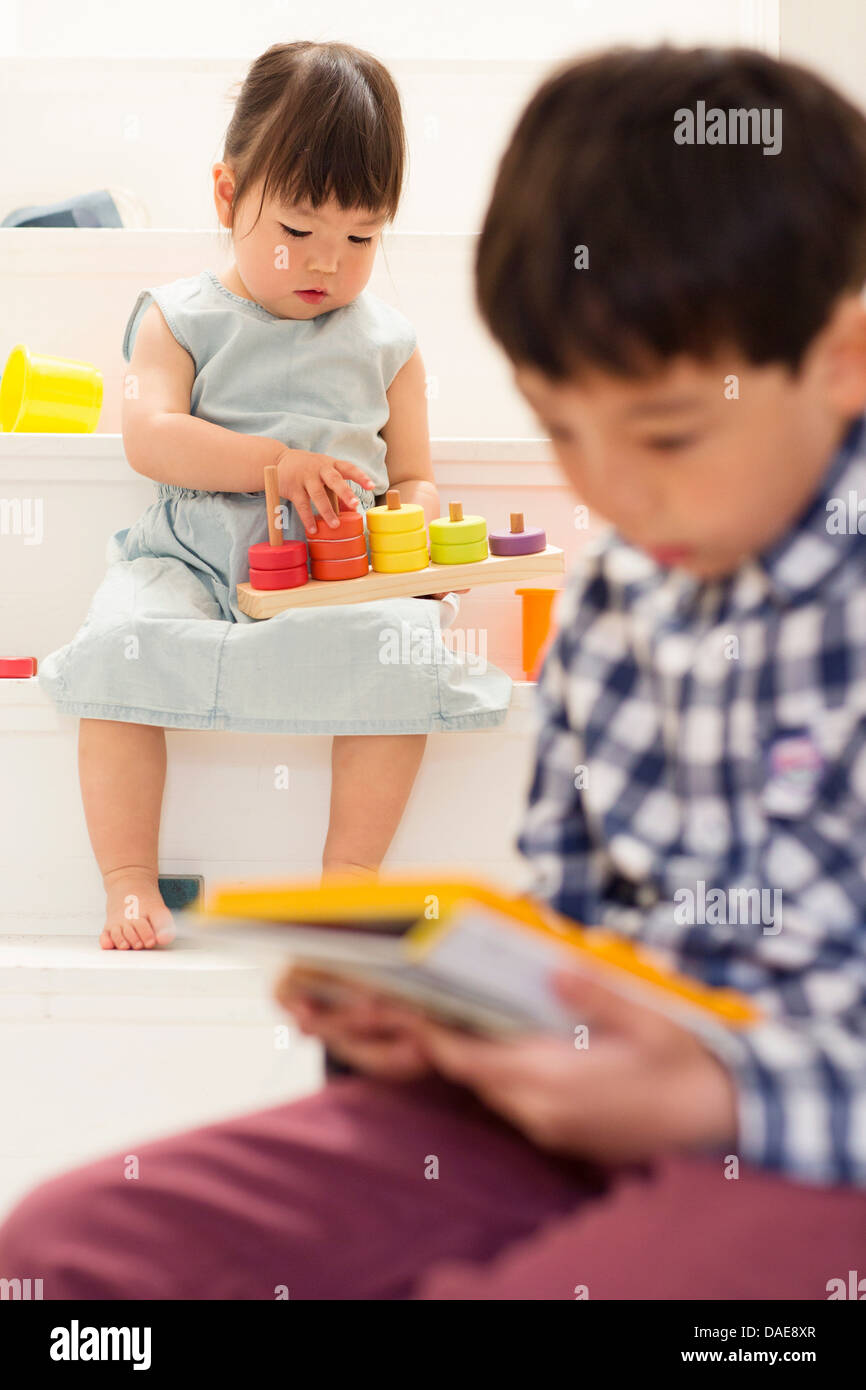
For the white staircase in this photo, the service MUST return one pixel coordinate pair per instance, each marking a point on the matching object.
(107, 1049)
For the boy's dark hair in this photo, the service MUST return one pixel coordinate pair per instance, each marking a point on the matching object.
(692, 248)
(315, 120)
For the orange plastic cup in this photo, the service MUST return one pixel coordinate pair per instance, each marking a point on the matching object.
(537, 618)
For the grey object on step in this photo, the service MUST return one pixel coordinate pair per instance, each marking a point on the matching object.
(96, 209)
(181, 890)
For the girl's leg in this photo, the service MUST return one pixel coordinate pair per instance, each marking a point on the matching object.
(122, 771)
(371, 778)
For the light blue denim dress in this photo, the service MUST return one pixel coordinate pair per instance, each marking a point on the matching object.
(164, 641)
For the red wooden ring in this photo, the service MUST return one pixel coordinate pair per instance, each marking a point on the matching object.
(291, 578)
(340, 569)
(350, 549)
(15, 668)
(264, 556)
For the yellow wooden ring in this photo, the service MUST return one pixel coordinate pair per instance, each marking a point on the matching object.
(407, 518)
(383, 543)
(458, 554)
(447, 532)
(402, 562)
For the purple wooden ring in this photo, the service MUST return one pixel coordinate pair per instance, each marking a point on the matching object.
(517, 542)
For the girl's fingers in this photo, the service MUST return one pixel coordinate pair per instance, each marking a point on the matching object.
(304, 510)
(335, 479)
(318, 495)
(349, 470)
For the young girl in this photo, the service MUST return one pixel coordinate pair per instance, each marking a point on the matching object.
(285, 359)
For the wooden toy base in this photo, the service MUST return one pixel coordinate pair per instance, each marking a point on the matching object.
(435, 579)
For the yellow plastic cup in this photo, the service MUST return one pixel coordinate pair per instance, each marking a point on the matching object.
(49, 395)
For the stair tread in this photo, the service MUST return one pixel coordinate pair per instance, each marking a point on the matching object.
(53, 964)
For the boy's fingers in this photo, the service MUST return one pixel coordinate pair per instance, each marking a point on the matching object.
(460, 1055)
(603, 1008)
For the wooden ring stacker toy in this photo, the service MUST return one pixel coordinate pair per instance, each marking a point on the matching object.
(398, 537)
(276, 563)
(456, 539)
(518, 540)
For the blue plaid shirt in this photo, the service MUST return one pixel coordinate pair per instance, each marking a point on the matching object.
(700, 785)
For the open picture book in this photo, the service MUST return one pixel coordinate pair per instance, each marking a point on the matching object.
(461, 951)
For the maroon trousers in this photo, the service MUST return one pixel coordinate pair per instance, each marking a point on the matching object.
(372, 1190)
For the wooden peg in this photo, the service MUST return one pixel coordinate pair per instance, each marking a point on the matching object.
(516, 520)
(272, 498)
(455, 511)
(392, 497)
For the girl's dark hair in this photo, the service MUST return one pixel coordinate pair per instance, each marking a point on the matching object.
(315, 120)
(690, 248)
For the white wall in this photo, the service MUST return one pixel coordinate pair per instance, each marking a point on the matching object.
(97, 92)
(830, 37)
(452, 29)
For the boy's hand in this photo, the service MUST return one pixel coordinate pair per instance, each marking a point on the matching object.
(644, 1085)
(357, 1025)
(302, 478)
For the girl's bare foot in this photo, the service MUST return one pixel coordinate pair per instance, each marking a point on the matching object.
(136, 918)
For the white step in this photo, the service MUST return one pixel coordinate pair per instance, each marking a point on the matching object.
(224, 819)
(113, 1048)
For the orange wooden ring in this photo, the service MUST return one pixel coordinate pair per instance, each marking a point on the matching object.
(351, 549)
(350, 524)
(340, 569)
(264, 556)
(291, 578)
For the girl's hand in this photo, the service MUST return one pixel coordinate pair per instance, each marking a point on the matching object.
(642, 1086)
(357, 1025)
(302, 478)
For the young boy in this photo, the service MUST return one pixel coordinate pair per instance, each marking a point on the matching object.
(685, 317)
